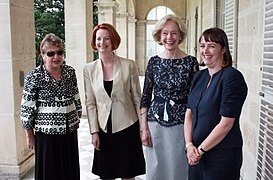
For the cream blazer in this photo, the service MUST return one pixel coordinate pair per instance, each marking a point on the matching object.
(125, 97)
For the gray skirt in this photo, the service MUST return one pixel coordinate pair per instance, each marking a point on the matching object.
(166, 159)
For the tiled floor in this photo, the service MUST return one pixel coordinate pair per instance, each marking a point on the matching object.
(86, 155)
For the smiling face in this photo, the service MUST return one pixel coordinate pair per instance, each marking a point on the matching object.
(170, 36)
(103, 41)
(211, 53)
(53, 62)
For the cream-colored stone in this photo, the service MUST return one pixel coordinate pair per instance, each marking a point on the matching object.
(8, 140)
(122, 29)
(78, 37)
(107, 12)
(6, 88)
(16, 57)
(22, 30)
(5, 51)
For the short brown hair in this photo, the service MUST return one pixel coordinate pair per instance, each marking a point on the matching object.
(159, 25)
(51, 40)
(218, 36)
(114, 36)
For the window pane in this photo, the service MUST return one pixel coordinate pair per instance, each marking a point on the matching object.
(152, 48)
(152, 14)
(149, 32)
(159, 48)
(169, 11)
(161, 12)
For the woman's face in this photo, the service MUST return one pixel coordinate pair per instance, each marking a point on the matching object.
(211, 53)
(53, 58)
(103, 41)
(170, 35)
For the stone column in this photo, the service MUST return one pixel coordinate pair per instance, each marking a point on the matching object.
(78, 30)
(122, 29)
(140, 46)
(17, 57)
(107, 11)
(132, 38)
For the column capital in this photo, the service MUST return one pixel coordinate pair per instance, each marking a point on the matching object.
(122, 14)
(141, 22)
(106, 5)
(132, 19)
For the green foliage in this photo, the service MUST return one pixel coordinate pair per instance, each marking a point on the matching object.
(49, 18)
(95, 22)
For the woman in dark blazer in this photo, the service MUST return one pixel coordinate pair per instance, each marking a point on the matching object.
(212, 130)
(112, 93)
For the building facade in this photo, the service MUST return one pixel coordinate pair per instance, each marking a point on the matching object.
(248, 24)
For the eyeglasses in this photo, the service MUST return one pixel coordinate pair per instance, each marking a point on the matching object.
(52, 53)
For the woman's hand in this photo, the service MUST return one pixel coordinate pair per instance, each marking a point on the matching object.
(193, 155)
(146, 138)
(96, 140)
(31, 142)
(30, 139)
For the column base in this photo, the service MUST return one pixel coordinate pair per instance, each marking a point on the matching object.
(16, 171)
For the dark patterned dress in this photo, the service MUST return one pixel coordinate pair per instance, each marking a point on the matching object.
(52, 108)
(165, 93)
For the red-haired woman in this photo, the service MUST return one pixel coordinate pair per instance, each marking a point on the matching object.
(112, 92)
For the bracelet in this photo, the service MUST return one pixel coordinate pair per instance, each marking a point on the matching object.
(143, 113)
(201, 149)
(188, 145)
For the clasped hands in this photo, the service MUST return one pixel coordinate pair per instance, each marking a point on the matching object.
(193, 155)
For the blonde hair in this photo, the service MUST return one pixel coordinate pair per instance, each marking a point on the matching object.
(159, 25)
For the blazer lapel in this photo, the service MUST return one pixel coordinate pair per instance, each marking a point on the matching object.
(117, 74)
(100, 83)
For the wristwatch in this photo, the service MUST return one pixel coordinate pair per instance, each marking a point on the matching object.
(201, 149)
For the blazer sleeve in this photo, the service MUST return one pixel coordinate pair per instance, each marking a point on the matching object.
(77, 100)
(90, 100)
(29, 100)
(135, 88)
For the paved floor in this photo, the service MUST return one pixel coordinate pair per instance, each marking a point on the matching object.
(86, 155)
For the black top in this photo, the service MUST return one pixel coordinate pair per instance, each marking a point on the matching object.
(108, 86)
(224, 96)
(168, 80)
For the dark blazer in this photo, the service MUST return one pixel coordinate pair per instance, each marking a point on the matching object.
(125, 97)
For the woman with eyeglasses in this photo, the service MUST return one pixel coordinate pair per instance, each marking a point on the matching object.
(50, 114)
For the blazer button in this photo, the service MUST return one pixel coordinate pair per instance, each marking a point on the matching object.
(114, 98)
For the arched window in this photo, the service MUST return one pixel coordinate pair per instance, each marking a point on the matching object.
(154, 15)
